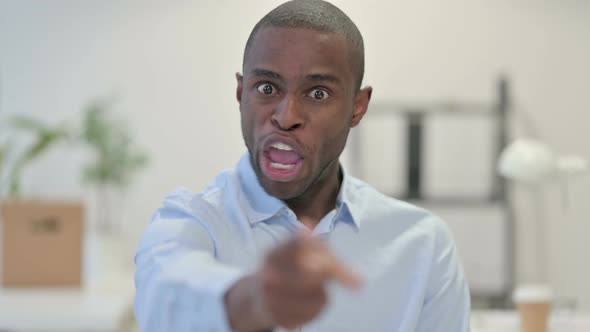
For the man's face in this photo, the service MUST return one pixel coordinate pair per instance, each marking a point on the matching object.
(298, 101)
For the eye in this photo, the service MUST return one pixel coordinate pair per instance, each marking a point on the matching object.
(266, 88)
(318, 94)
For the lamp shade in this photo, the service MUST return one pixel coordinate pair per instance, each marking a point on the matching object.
(532, 161)
(527, 161)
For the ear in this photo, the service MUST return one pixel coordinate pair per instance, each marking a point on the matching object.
(361, 104)
(240, 80)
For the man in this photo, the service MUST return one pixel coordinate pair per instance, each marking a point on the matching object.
(288, 239)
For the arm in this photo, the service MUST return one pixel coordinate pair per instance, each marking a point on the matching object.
(182, 287)
(179, 284)
(447, 303)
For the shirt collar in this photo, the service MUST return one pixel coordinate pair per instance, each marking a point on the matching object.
(348, 201)
(261, 206)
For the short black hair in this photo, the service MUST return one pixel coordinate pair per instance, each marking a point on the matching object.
(315, 15)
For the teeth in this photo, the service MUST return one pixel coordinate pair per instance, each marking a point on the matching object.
(281, 166)
(282, 146)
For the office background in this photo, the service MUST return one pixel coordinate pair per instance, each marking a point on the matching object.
(171, 66)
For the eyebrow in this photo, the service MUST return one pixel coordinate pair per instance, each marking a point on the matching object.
(312, 77)
(267, 73)
(322, 78)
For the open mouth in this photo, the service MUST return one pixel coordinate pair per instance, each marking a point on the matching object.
(281, 162)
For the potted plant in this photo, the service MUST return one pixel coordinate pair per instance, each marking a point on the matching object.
(30, 226)
(115, 160)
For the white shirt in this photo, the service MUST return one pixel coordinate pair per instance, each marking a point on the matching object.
(198, 245)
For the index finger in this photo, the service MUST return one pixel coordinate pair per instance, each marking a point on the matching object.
(321, 259)
(342, 274)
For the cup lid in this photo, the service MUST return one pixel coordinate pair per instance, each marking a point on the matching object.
(532, 293)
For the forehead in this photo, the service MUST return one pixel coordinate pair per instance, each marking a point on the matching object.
(299, 51)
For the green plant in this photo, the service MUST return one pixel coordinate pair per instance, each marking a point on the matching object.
(116, 158)
(2, 157)
(45, 137)
(3, 152)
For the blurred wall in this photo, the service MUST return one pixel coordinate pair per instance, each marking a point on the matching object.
(172, 64)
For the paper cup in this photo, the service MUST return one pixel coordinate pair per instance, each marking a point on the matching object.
(534, 306)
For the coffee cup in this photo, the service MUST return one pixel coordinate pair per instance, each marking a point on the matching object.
(534, 306)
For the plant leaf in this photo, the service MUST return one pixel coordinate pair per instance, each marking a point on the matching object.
(116, 158)
(26, 123)
(45, 138)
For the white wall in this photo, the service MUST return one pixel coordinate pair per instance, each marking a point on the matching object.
(173, 64)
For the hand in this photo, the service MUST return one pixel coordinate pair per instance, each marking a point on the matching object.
(290, 289)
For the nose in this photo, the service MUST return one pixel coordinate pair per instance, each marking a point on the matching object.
(288, 115)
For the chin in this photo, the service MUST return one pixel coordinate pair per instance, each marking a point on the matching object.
(282, 190)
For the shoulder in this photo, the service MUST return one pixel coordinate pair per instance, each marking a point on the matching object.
(373, 203)
(184, 212)
(184, 201)
(383, 212)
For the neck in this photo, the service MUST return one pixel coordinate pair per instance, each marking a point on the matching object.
(317, 201)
